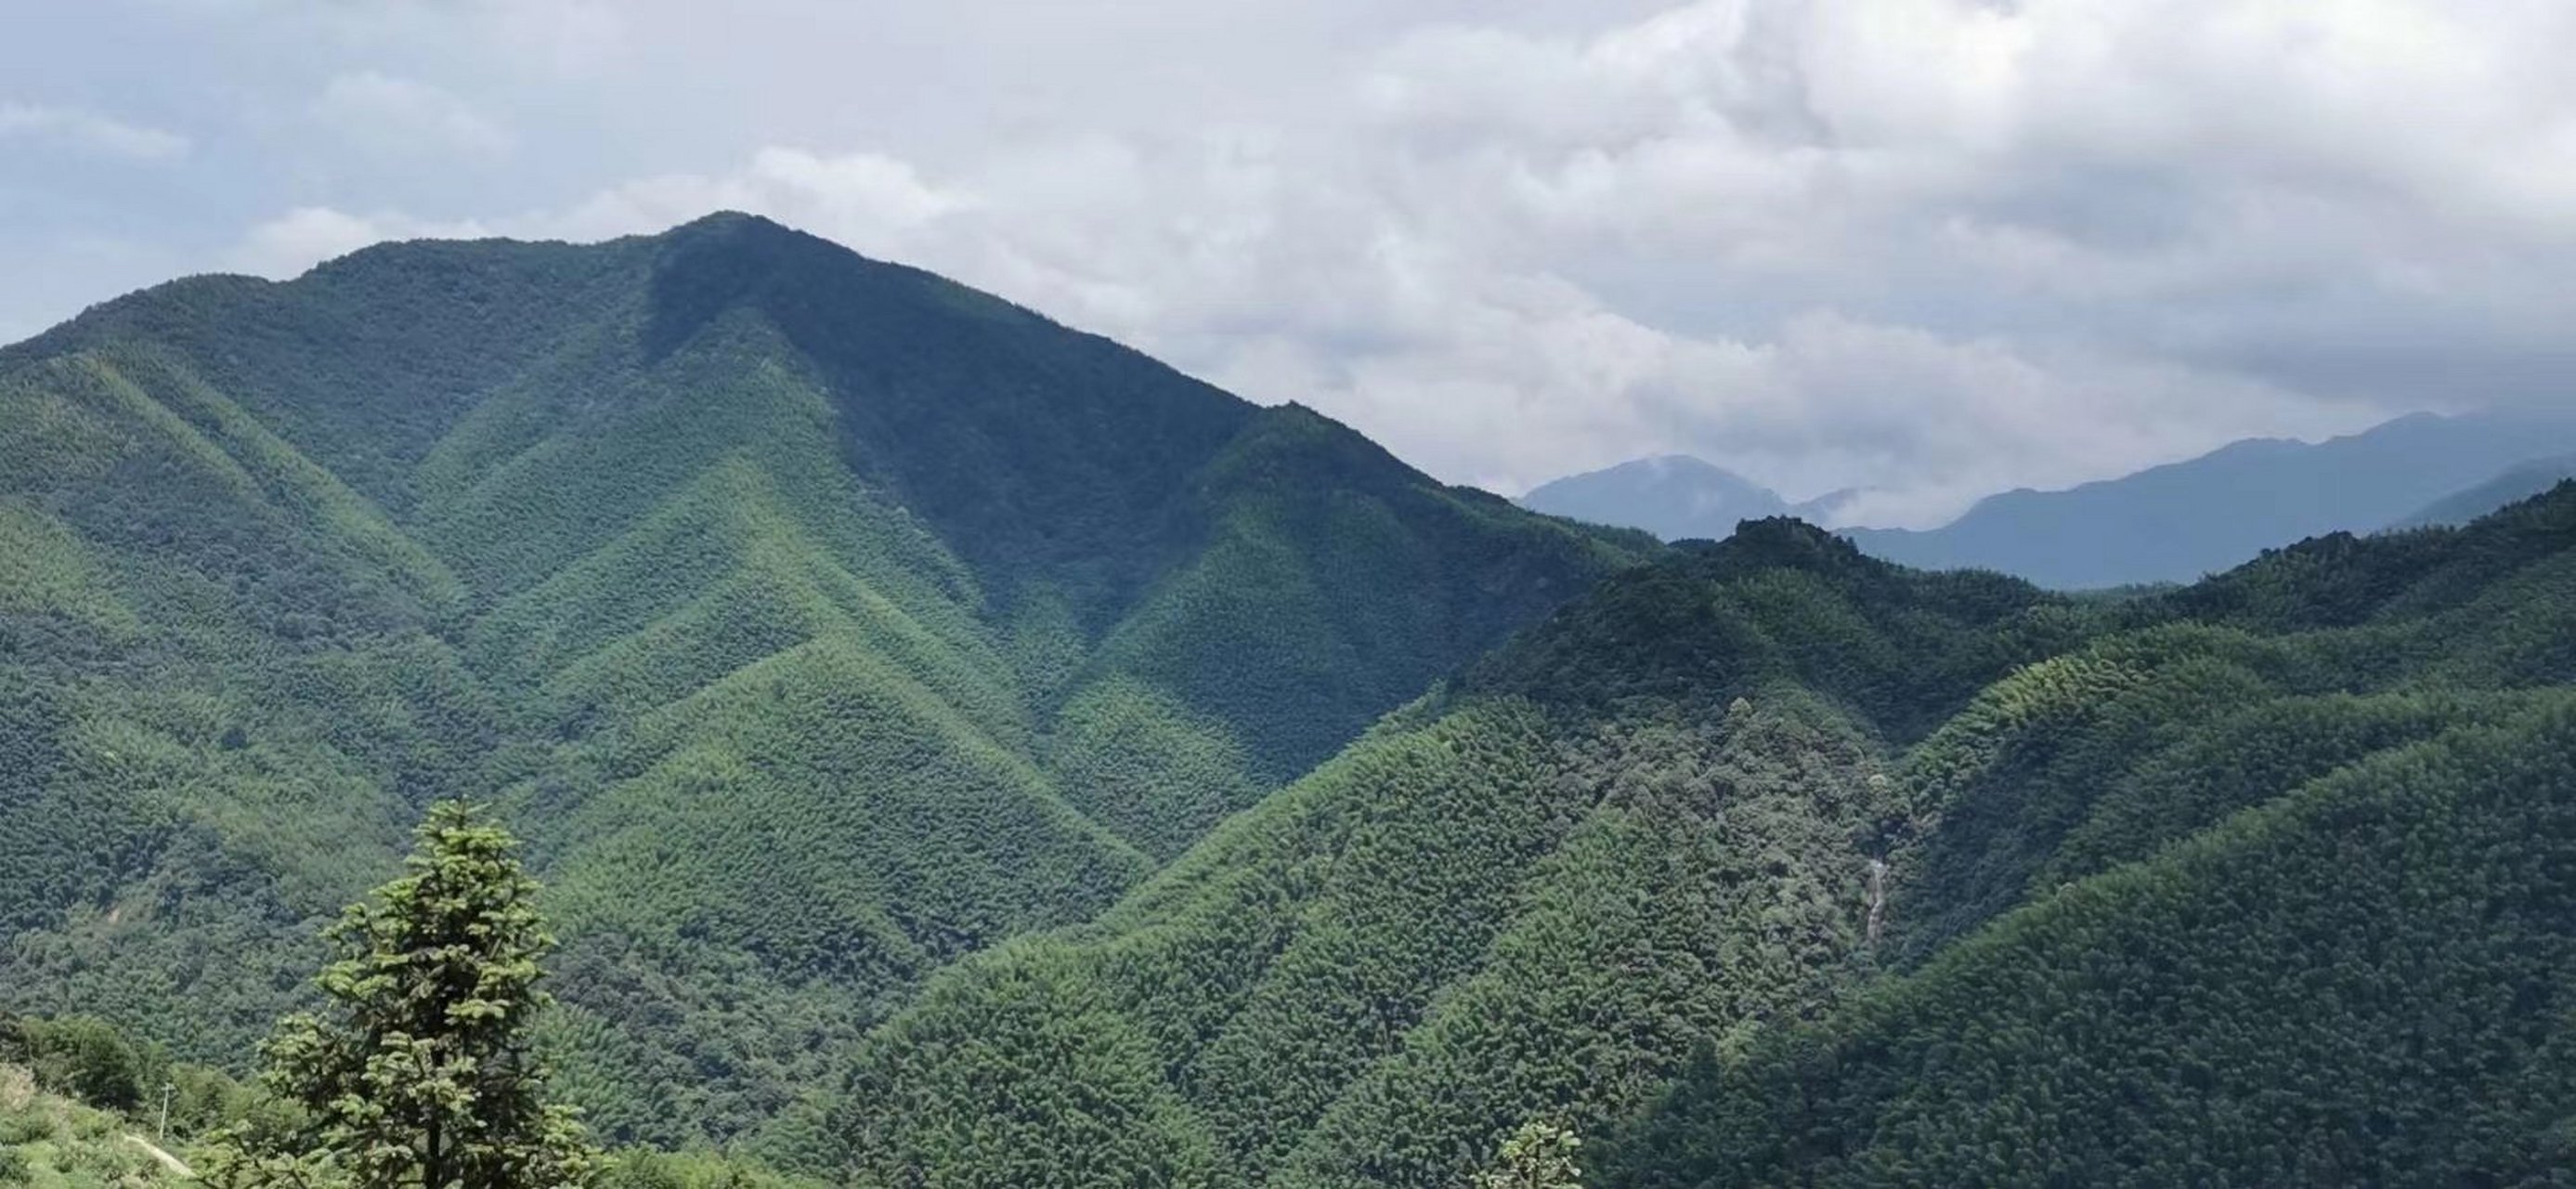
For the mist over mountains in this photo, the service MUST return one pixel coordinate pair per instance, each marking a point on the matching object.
(2172, 523)
(1674, 496)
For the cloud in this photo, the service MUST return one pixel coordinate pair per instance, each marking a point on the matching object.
(866, 200)
(1930, 248)
(289, 244)
(860, 199)
(403, 117)
(90, 131)
(571, 38)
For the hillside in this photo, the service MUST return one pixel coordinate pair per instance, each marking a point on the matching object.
(2518, 483)
(51, 1142)
(962, 752)
(2179, 522)
(820, 619)
(1645, 825)
(2276, 892)
(1898, 878)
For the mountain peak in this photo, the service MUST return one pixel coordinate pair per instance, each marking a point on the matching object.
(722, 220)
(1674, 496)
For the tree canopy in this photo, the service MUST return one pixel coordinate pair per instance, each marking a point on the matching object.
(420, 1072)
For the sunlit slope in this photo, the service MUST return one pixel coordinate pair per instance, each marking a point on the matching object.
(1522, 895)
(1900, 877)
(818, 619)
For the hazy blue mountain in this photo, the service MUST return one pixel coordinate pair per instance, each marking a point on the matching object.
(2177, 522)
(2519, 482)
(1673, 496)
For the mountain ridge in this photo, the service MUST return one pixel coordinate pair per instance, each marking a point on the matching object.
(965, 620)
(2174, 522)
(1630, 871)
(2180, 521)
(938, 785)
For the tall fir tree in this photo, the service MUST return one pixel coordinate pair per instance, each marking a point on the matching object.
(419, 1072)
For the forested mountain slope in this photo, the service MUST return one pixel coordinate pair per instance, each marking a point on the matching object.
(1648, 824)
(2275, 884)
(1900, 878)
(820, 619)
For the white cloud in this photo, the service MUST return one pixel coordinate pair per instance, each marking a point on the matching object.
(571, 38)
(403, 117)
(90, 131)
(289, 244)
(1930, 247)
(865, 200)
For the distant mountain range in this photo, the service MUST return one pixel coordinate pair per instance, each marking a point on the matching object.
(2517, 483)
(1673, 496)
(2170, 523)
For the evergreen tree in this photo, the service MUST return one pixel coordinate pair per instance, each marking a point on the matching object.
(419, 1073)
(1538, 1156)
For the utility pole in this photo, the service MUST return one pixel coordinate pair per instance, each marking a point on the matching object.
(167, 1088)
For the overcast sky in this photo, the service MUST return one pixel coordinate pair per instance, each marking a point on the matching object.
(1934, 248)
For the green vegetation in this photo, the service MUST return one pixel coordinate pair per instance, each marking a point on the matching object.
(421, 1072)
(84, 1106)
(2268, 885)
(1540, 1155)
(820, 621)
(1528, 896)
(49, 1141)
(1770, 863)
(962, 753)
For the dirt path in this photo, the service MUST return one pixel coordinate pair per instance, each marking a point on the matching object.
(167, 1160)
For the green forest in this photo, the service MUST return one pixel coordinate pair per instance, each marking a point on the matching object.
(1770, 863)
(960, 752)
(817, 620)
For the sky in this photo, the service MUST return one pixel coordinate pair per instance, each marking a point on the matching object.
(1929, 249)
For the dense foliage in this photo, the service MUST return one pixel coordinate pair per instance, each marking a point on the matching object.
(83, 1106)
(822, 622)
(421, 1069)
(1771, 863)
(1541, 1155)
(963, 753)
(1648, 825)
(52, 1141)
(2274, 883)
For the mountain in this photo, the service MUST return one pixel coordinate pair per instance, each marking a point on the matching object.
(2519, 482)
(1772, 863)
(2179, 522)
(2279, 888)
(1674, 496)
(819, 620)
(963, 752)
